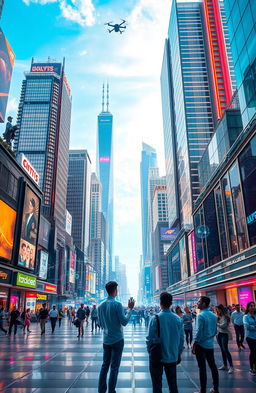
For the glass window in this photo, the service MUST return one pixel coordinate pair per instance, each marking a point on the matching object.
(183, 258)
(200, 244)
(238, 205)
(211, 230)
(247, 162)
(175, 257)
(221, 222)
(230, 214)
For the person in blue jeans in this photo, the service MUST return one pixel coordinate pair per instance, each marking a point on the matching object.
(112, 319)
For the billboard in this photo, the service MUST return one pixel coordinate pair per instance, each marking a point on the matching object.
(46, 67)
(43, 267)
(44, 232)
(6, 66)
(72, 267)
(24, 280)
(90, 280)
(7, 228)
(29, 230)
(68, 222)
(168, 234)
(31, 171)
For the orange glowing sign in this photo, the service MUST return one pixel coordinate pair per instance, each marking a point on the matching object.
(7, 228)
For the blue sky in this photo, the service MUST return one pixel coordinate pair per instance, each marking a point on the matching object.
(131, 63)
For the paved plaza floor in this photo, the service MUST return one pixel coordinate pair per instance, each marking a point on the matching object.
(61, 363)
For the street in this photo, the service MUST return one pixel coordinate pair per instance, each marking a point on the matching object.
(61, 363)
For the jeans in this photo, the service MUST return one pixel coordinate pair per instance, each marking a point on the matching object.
(81, 327)
(60, 319)
(189, 336)
(156, 372)
(2, 326)
(42, 325)
(203, 354)
(94, 323)
(239, 329)
(15, 324)
(112, 355)
(53, 323)
(252, 358)
(222, 339)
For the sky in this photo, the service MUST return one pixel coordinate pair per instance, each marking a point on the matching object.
(130, 63)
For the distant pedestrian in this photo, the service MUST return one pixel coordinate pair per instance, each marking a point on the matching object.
(94, 317)
(224, 334)
(53, 317)
(250, 334)
(27, 321)
(111, 319)
(204, 344)
(43, 318)
(166, 330)
(2, 319)
(87, 312)
(188, 326)
(60, 316)
(237, 320)
(14, 321)
(81, 315)
(73, 314)
(146, 318)
(178, 311)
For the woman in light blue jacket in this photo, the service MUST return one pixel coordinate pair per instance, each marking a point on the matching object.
(249, 320)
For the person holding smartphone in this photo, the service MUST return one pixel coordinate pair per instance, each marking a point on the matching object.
(112, 318)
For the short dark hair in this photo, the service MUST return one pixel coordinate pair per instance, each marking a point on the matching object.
(111, 287)
(166, 299)
(206, 300)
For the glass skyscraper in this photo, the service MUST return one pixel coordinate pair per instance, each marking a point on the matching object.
(105, 169)
(78, 196)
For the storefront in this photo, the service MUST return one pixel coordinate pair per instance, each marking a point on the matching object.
(5, 280)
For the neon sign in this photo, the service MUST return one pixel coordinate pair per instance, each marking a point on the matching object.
(104, 159)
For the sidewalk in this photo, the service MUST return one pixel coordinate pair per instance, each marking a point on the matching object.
(63, 363)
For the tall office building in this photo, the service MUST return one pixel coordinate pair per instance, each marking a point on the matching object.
(148, 160)
(1, 7)
(78, 197)
(105, 168)
(196, 89)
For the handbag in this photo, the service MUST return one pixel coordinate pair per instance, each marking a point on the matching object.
(76, 323)
(155, 349)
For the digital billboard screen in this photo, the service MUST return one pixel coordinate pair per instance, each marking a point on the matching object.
(6, 66)
(44, 232)
(46, 67)
(168, 234)
(7, 228)
(43, 267)
(29, 230)
(72, 267)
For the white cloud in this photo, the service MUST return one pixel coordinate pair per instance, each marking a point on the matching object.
(83, 52)
(12, 106)
(78, 11)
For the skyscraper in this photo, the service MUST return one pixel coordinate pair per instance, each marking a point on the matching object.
(105, 168)
(148, 160)
(78, 196)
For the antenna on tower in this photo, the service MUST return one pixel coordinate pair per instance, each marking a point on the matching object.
(103, 97)
(107, 97)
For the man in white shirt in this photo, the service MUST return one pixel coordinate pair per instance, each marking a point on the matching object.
(237, 320)
(53, 317)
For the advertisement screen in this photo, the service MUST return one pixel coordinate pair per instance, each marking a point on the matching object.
(29, 230)
(7, 228)
(44, 232)
(168, 234)
(6, 66)
(72, 267)
(46, 67)
(43, 265)
(68, 222)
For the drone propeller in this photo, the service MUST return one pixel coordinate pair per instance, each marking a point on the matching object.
(105, 24)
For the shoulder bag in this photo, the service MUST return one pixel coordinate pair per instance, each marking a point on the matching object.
(155, 350)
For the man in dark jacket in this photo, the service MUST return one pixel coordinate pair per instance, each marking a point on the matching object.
(43, 318)
(14, 320)
(81, 314)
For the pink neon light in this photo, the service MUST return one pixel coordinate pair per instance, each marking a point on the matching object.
(104, 159)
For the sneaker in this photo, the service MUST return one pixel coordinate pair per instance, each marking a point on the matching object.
(213, 391)
(252, 372)
(231, 370)
(223, 367)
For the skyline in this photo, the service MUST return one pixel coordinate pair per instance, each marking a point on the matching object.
(92, 57)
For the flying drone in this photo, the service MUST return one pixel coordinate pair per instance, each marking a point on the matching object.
(117, 28)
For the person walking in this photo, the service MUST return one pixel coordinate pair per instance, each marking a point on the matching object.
(204, 343)
(27, 321)
(249, 320)
(2, 318)
(178, 311)
(188, 327)
(87, 312)
(81, 315)
(14, 320)
(111, 319)
(53, 317)
(146, 318)
(237, 320)
(94, 317)
(166, 328)
(43, 318)
(60, 316)
(224, 334)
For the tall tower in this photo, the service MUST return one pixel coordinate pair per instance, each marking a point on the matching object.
(105, 169)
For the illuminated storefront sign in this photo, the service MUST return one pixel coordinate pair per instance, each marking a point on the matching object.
(251, 218)
(41, 296)
(31, 294)
(104, 159)
(50, 288)
(24, 280)
(46, 67)
(30, 170)
(5, 276)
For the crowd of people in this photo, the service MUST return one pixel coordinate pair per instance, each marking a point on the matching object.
(170, 330)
